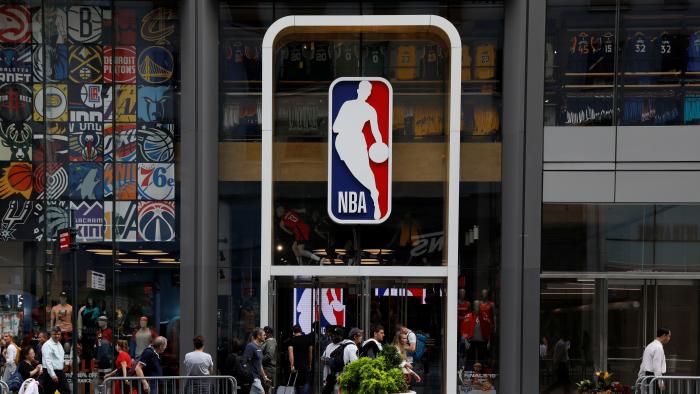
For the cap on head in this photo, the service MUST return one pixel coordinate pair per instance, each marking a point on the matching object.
(63, 294)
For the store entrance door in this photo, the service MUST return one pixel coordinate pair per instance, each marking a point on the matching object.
(316, 304)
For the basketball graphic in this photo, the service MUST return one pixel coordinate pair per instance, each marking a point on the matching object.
(56, 106)
(155, 145)
(91, 95)
(158, 25)
(156, 65)
(16, 179)
(15, 25)
(85, 63)
(157, 221)
(85, 24)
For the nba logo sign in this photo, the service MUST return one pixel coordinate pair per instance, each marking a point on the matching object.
(359, 150)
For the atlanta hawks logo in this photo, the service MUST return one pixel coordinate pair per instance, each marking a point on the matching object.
(15, 24)
(359, 150)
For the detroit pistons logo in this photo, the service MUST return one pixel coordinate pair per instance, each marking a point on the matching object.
(359, 150)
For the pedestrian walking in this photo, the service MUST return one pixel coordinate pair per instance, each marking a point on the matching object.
(199, 363)
(52, 356)
(253, 357)
(654, 358)
(149, 365)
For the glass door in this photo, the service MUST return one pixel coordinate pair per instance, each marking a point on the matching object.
(629, 308)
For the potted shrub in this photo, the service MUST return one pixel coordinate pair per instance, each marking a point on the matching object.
(374, 376)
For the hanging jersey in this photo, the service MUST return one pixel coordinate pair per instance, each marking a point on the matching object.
(428, 119)
(234, 67)
(399, 117)
(347, 59)
(321, 61)
(373, 61)
(293, 62)
(432, 63)
(466, 63)
(601, 58)
(548, 61)
(249, 117)
(486, 120)
(638, 53)
(253, 62)
(669, 53)
(406, 62)
(292, 222)
(579, 48)
(485, 61)
(694, 52)
(691, 110)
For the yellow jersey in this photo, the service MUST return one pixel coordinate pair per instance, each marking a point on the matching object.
(466, 63)
(485, 61)
(406, 62)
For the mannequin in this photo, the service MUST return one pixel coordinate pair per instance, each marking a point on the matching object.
(143, 337)
(61, 315)
(87, 329)
(489, 307)
(477, 328)
(463, 307)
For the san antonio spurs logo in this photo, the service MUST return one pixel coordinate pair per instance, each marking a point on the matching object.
(15, 142)
(156, 65)
(85, 24)
(157, 221)
(17, 214)
(158, 25)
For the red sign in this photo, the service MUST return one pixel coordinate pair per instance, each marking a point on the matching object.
(64, 240)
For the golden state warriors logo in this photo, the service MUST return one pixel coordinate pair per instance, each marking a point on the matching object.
(359, 150)
(156, 65)
(158, 25)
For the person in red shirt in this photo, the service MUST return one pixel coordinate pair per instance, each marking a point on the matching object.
(123, 365)
(292, 223)
(477, 328)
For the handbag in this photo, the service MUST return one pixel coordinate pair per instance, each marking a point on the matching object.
(289, 389)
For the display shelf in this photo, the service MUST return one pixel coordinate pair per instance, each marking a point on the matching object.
(653, 86)
(589, 86)
(568, 74)
(652, 73)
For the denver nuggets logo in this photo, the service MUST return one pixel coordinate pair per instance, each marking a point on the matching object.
(158, 25)
(156, 65)
(85, 63)
(85, 24)
(15, 25)
(157, 221)
(359, 150)
(56, 104)
(15, 102)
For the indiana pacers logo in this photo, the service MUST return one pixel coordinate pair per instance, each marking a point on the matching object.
(15, 24)
(158, 25)
(85, 63)
(359, 150)
(15, 102)
(85, 24)
(53, 102)
(156, 65)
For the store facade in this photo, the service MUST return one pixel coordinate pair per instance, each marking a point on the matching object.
(542, 182)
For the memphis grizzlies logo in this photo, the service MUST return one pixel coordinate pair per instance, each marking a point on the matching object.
(359, 150)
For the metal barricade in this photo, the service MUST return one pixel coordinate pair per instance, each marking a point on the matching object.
(4, 389)
(170, 385)
(671, 384)
(640, 386)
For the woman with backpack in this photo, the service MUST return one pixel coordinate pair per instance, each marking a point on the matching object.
(123, 366)
(401, 343)
(11, 354)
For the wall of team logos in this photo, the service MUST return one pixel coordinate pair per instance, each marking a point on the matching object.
(88, 125)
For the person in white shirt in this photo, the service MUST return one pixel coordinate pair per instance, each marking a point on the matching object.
(10, 354)
(654, 359)
(330, 377)
(351, 350)
(52, 355)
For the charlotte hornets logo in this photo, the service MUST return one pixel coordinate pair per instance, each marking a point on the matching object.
(359, 150)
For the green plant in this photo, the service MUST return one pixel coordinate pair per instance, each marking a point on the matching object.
(371, 376)
(391, 355)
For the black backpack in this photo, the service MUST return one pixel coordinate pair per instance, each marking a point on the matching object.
(239, 369)
(335, 361)
(365, 350)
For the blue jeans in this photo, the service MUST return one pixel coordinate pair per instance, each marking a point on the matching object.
(256, 387)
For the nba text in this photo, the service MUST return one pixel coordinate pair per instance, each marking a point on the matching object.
(352, 202)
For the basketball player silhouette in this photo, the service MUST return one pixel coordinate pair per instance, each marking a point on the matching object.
(350, 143)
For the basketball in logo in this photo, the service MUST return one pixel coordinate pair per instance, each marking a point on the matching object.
(155, 145)
(155, 65)
(16, 179)
(15, 24)
(85, 63)
(85, 24)
(15, 102)
(56, 105)
(157, 221)
(158, 25)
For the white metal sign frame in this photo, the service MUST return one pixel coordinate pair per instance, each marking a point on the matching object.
(369, 23)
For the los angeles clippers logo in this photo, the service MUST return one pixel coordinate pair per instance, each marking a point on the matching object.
(359, 150)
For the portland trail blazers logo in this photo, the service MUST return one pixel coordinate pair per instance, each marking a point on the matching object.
(359, 165)
(15, 102)
(156, 65)
(57, 184)
(158, 25)
(15, 25)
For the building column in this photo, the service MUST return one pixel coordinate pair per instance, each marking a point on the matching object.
(198, 172)
(523, 90)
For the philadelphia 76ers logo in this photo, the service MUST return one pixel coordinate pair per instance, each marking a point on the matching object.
(359, 150)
